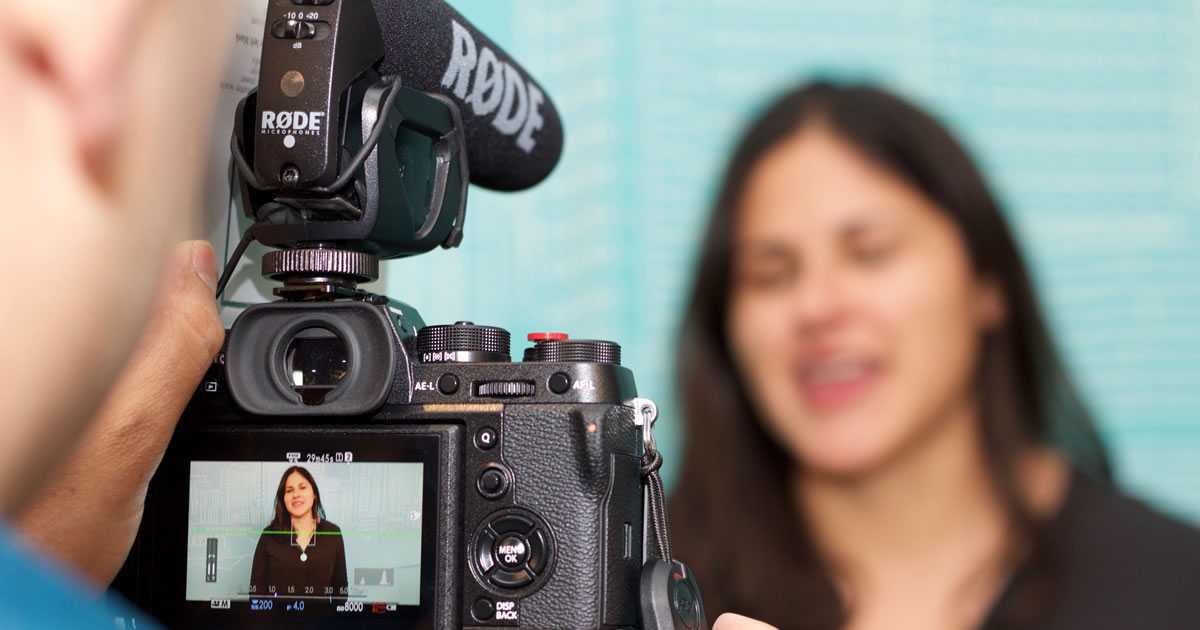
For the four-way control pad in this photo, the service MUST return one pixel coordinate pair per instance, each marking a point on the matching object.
(512, 551)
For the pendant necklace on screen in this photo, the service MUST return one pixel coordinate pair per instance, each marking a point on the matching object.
(304, 548)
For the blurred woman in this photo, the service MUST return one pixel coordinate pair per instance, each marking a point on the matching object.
(881, 434)
(301, 553)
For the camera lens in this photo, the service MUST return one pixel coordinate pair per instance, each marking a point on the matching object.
(316, 362)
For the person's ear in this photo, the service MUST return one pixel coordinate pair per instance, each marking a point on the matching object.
(990, 305)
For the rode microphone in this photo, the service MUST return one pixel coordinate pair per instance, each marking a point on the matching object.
(514, 134)
(371, 117)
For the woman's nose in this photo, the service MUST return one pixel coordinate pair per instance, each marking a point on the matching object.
(818, 298)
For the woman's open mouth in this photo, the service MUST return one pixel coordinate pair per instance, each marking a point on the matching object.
(830, 382)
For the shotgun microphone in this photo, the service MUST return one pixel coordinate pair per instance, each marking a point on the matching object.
(370, 119)
(513, 133)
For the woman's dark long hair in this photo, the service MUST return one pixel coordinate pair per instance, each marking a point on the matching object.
(736, 523)
(283, 519)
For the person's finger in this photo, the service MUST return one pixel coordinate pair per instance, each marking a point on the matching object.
(177, 347)
(110, 468)
(730, 621)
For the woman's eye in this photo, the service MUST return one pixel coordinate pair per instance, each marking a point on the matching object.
(766, 276)
(764, 268)
(872, 253)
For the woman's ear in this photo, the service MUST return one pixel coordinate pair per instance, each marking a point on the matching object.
(990, 304)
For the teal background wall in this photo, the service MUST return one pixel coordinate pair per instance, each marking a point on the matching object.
(1085, 115)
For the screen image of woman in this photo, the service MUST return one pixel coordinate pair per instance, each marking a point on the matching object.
(300, 552)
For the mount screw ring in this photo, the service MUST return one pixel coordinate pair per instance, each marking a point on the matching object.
(279, 263)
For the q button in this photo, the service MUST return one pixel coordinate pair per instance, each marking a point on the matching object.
(485, 439)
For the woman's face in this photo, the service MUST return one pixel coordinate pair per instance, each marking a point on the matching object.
(854, 316)
(298, 495)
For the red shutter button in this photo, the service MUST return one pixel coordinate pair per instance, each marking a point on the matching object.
(547, 336)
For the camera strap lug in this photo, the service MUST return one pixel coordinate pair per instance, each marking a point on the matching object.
(645, 413)
(669, 597)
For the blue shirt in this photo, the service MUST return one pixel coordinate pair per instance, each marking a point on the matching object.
(35, 595)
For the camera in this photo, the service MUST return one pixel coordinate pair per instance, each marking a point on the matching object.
(479, 493)
(343, 464)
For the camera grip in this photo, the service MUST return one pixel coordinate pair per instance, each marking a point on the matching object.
(577, 466)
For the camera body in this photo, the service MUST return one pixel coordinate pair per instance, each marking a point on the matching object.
(529, 504)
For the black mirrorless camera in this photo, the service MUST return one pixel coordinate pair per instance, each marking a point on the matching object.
(343, 464)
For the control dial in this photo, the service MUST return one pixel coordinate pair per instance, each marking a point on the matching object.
(463, 342)
(505, 389)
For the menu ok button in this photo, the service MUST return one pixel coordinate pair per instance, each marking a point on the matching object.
(512, 552)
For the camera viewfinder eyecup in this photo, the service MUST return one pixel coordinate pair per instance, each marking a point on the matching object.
(259, 379)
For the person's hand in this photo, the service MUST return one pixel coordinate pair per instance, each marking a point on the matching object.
(104, 126)
(88, 515)
(730, 621)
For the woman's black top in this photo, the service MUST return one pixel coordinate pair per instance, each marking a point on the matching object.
(278, 567)
(1106, 561)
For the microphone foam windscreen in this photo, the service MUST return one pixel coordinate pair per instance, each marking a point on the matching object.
(513, 133)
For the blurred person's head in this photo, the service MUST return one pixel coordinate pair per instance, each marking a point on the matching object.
(858, 294)
(105, 119)
(297, 497)
(854, 317)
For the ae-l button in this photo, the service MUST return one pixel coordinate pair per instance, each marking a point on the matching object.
(448, 384)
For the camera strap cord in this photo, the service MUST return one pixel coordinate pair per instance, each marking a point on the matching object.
(645, 414)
